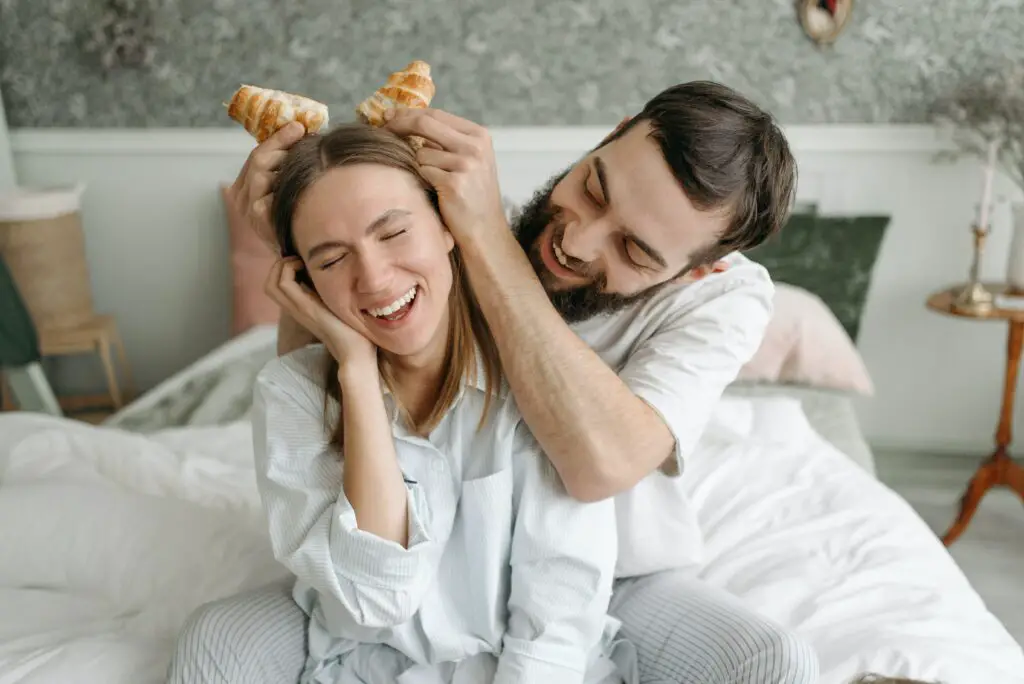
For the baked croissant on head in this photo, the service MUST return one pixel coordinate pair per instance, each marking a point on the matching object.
(411, 88)
(263, 111)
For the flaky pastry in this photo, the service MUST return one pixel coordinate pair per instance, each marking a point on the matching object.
(412, 87)
(263, 111)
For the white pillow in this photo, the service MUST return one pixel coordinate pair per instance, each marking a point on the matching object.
(132, 551)
(805, 344)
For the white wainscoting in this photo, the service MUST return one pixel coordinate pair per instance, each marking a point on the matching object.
(158, 249)
(6, 162)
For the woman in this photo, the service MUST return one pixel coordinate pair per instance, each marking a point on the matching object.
(430, 540)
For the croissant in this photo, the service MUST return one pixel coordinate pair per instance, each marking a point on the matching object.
(411, 88)
(263, 111)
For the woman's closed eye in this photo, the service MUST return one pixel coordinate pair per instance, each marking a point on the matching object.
(331, 262)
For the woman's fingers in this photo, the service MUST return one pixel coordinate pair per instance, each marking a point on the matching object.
(280, 281)
(272, 283)
(289, 283)
(296, 297)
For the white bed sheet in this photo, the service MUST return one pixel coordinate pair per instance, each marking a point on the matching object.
(110, 538)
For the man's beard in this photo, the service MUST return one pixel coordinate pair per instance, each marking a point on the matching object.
(576, 304)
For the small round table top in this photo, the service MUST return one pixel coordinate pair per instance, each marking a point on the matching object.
(944, 302)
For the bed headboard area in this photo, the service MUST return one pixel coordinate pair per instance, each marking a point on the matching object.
(880, 225)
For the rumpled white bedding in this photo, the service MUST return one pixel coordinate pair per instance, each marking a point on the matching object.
(110, 538)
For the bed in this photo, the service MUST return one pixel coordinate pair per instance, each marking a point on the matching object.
(113, 534)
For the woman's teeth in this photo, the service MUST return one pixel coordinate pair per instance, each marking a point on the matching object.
(395, 305)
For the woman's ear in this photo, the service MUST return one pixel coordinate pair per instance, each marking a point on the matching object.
(449, 240)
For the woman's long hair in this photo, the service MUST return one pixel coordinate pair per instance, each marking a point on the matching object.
(347, 144)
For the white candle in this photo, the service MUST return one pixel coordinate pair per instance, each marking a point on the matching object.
(986, 192)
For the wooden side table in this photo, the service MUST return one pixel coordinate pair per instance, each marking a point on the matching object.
(99, 336)
(999, 470)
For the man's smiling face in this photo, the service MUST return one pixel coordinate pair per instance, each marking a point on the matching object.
(614, 227)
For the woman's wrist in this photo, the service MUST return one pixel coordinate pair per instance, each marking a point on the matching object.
(358, 375)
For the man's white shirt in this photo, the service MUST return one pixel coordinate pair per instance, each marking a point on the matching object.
(678, 350)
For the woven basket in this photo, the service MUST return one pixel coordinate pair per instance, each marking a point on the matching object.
(43, 245)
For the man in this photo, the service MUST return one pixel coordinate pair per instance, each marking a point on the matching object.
(621, 308)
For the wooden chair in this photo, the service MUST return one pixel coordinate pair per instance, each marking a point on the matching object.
(98, 336)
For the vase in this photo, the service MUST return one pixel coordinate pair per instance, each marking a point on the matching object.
(1015, 263)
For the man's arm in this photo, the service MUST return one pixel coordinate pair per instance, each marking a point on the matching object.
(599, 433)
(608, 430)
(600, 436)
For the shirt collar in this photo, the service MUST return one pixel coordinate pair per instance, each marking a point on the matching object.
(478, 382)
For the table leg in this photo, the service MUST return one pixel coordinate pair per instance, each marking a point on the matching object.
(129, 391)
(999, 469)
(108, 370)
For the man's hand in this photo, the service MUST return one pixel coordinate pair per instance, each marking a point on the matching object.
(251, 192)
(458, 160)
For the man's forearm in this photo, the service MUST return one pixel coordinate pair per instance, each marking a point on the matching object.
(291, 335)
(600, 436)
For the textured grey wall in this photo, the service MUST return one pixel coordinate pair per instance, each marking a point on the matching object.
(500, 62)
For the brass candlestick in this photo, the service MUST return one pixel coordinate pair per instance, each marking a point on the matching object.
(974, 299)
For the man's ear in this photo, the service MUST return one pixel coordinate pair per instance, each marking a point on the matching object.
(615, 131)
(702, 271)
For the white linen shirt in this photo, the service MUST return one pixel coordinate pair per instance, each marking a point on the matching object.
(678, 350)
(500, 560)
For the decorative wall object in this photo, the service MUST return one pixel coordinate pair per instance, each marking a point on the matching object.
(556, 62)
(824, 20)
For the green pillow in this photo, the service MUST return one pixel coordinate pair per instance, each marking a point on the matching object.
(830, 256)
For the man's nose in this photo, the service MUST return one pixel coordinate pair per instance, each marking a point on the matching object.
(582, 241)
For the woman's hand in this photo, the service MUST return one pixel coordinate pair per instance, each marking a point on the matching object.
(348, 347)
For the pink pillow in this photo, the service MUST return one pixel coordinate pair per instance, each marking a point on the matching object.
(806, 345)
(251, 260)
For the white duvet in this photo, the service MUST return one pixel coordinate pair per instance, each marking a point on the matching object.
(110, 539)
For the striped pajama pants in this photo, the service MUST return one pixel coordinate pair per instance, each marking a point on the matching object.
(685, 632)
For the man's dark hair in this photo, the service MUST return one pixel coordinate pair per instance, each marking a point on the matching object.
(727, 154)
